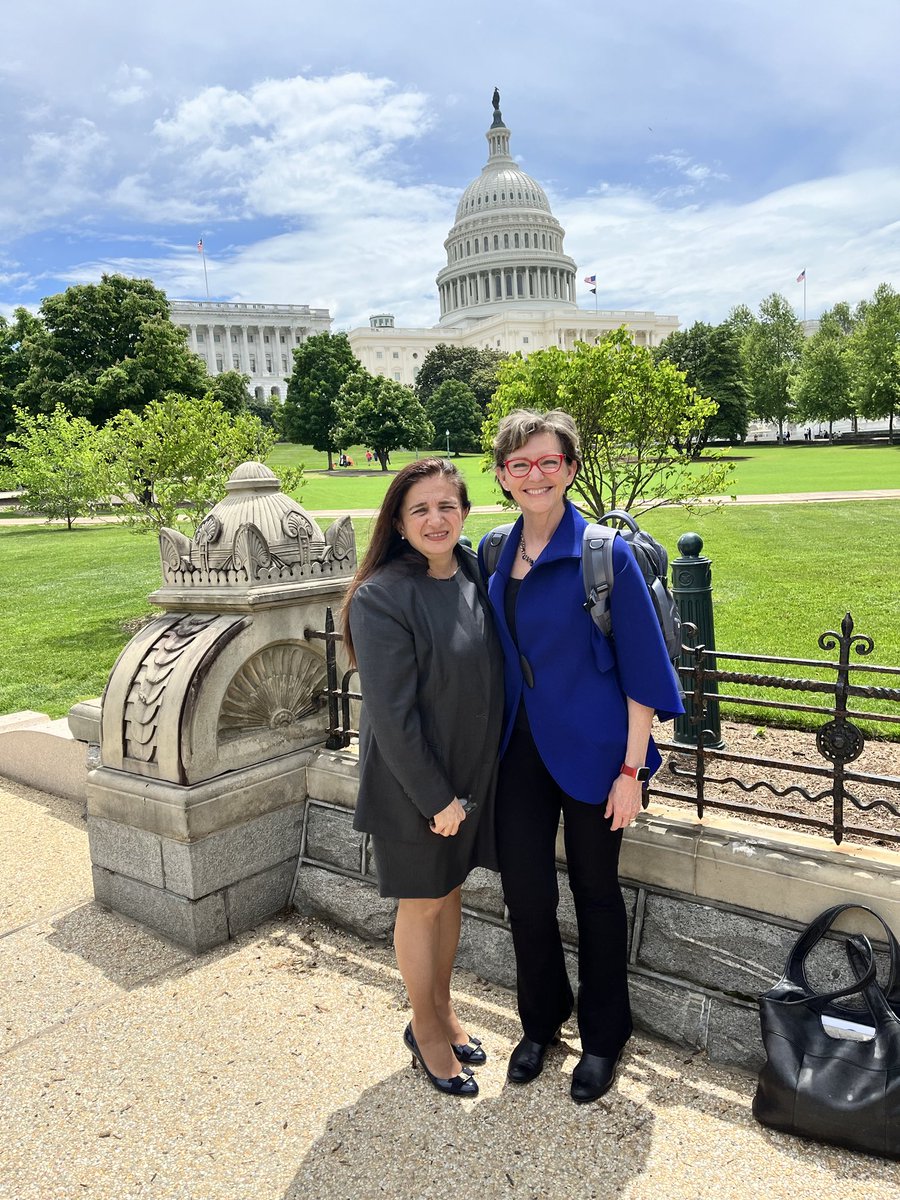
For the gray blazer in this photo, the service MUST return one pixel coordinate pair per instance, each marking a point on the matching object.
(431, 675)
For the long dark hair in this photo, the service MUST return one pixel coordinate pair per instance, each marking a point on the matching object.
(386, 542)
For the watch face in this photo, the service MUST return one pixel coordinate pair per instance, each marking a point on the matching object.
(643, 774)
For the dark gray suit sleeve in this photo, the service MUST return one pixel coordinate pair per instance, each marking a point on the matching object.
(385, 653)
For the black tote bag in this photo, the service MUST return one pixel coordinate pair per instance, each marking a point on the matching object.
(836, 1090)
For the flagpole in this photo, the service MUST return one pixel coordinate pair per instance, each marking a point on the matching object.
(202, 250)
(804, 295)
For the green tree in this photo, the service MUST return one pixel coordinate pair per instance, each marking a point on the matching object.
(771, 352)
(172, 459)
(631, 413)
(55, 458)
(710, 357)
(232, 390)
(377, 412)
(321, 366)
(12, 363)
(464, 364)
(105, 346)
(453, 411)
(875, 355)
(823, 387)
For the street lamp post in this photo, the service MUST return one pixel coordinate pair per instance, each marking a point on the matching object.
(447, 432)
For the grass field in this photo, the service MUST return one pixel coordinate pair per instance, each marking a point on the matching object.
(759, 470)
(782, 574)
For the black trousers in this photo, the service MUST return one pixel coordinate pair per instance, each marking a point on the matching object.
(529, 803)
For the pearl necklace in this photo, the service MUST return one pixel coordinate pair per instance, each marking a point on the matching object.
(523, 551)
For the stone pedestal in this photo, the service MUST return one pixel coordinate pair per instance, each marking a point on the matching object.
(209, 716)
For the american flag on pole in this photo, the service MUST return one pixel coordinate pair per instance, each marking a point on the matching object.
(592, 279)
(200, 246)
(801, 276)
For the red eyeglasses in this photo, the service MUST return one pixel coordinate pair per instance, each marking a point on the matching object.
(547, 464)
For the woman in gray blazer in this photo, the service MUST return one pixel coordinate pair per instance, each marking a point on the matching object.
(418, 627)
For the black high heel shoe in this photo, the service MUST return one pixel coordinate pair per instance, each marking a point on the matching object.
(462, 1084)
(470, 1052)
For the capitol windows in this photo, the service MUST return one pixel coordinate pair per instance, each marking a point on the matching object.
(269, 362)
(496, 247)
(236, 362)
(544, 240)
(234, 338)
(498, 288)
(216, 338)
(200, 338)
(396, 354)
(516, 240)
(379, 354)
(476, 245)
(284, 366)
(266, 339)
(468, 248)
(526, 241)
(525, 340)
(219, 367)
(509, 286)
(485, 245)
(506, 241)
(252, 364)
(397, 376)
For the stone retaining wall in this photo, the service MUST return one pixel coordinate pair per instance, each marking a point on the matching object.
(713, 908)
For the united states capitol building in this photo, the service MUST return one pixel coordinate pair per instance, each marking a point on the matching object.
(507, 285)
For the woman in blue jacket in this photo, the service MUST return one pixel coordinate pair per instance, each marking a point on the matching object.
(576, 741)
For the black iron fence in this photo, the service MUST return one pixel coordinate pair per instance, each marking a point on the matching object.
(703, 772)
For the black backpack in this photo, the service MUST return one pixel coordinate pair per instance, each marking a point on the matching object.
(597, 569)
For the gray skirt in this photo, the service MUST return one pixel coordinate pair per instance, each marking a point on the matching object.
(428, 870)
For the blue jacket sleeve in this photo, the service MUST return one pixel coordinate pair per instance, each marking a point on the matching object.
(643, 665)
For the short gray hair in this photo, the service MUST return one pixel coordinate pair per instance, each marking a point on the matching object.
(518, 426)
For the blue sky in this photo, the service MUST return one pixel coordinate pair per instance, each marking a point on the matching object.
(698, 155)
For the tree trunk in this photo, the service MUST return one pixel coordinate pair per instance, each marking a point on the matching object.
(330, 462)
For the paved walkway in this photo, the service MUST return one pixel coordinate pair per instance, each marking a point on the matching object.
(768, 498)
(272, 1069)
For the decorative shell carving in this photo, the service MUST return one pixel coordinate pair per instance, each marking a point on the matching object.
(251, 550)
(340, 538)
(174, 547)
(208, 531)
(296, 524)
(275, 689)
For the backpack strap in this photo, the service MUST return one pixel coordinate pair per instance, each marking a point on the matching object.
(597, 570)
(492, 548)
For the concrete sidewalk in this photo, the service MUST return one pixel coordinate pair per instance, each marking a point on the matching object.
(272, 1069)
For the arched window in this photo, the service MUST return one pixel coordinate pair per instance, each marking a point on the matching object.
(526, 241)
(506, 241)
(468, 247)
(544, 240)
(485, 245)
(516, 240)
(498, 287)
(476, 245)
(496, 242)
(509, 287)
(276, 393)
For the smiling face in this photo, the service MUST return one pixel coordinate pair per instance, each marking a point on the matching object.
(431, 519)
(538, 493)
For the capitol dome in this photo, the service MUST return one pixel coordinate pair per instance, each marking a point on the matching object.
(506, 247)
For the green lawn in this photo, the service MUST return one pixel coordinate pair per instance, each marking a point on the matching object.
(797, 467)
(782, 574)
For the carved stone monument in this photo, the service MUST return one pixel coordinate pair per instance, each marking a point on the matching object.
(210, 716)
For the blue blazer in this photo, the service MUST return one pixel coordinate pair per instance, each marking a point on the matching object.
(575, 697)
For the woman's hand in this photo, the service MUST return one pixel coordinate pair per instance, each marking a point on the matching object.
(448, 820)
(624, 802)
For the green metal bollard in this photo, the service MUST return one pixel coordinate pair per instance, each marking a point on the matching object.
(692, 589)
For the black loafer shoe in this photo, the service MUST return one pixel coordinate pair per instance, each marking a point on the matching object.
(593, 1077)
(527, 1060)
